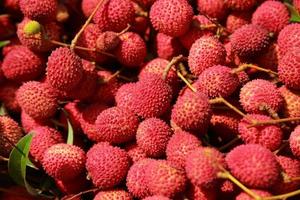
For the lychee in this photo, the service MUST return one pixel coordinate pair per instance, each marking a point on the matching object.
(291, 105)
(115, 194)
(288, 38)
(245, 196)
(29, 123)
(214, 9)
(156, 197)
(240, 5)
(125, 96)
(87, 7)
(135, 152)
(236, 20)
(8, 96)
(107, 41)
(294, 141)
(167, 46)
(269, 59)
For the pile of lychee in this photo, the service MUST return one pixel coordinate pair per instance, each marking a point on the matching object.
(167, 99)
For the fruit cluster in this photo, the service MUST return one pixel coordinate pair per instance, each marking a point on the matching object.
(167, 99)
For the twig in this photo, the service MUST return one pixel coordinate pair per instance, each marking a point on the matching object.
(243, 67)
(174, 61)
(81, 193)
(224, 147)
(273, 121)
(186, 82)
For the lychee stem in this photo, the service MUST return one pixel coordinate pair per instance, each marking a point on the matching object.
(186, 81)
(82, 193)
(124, 30)
(75, 39)
(283, 196)
(4, 159)
(233, 141)
(203, 27)
(174, 61)
(273, 121)
(245, 66)
(224, 101)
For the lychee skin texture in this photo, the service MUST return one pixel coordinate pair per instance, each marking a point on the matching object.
(249, 40)
(294, 141)
(21, 65)
(107, 165)
(213, 9)
(116, 125)
(115, 194)
(37, 100)
(217, 81)
(269, 136)
(124, 96)
(201, 193)
(167, 46)
(107, 41)
(40, 10)
(9, 130)
(254, 165)
(87, 7)
(192, 111)
(259, 93)
(64, 69)
(135, 181)
(204, 53)
(202, 166)
(236, 20)
(43, 138)
(245, 196)
(240, 5)
(291, 105)
(289, 69)
(269, 59)
(156, 197)
(152, 136)
(164, 179)
(271, 15)
(288, 39)
(296, 4)
(64, 161)
(171, 17)
(135, 152)
(114, 15)
(29, 123)
(179, 147)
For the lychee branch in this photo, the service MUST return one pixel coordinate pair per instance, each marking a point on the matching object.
(243, 67)
(82, 193)
(273, 121)
(174, 61)
(282, 196)
(186, 81)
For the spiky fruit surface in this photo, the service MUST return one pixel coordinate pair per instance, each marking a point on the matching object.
(164, 179)
(288, 38)
(236, 20)
(135, 152)
(194, 33)
(269, 136)
(88, 118)
(152, 97)
(217, 81)
(135, 181)
(152, 136)
(87, 7)
(40, 10)
(271, 15)
(254, 165)
(11, 131)
(64, 161)
(249, 40)
(204, 53)
(296, 4)
(201, 193)
(291, 105)
(21, 65)
(8, 96)
(202, 166)
(116, 194)
(64, 69)
(74, 186)
(125, 96)
(114, 15)
(245, 196)
(294, 141)
(179, 147)
(260, 93)
(29, 123)
(107, 41)
(289, 69)
(131, 51)
(116, 125)
(240, 5)
(192, 111)
(269, 59)
(167, 46)
(37, 100)
(156, 197)
(43, 138)
(290, 169)
(38, 42)
(107, 165)
(171, 17)
(214, 9)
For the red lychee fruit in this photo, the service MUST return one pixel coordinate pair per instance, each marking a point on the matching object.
(152, 136)
(289, 69)
(192, 112)
(156, 197)
(43, 138)
(217, 81)
(236, 20)
(240, 5)
(115, 194)
(40, 10)
(245, 196)
(107, 165)
(269, 59)
(254, 165)
(114, 15)
(135, 152)
(125, 96)
(258, 94)
(288, 39)
(131, 51)
(164, 179)
(107, 41)
(73, 110)
(21, 65)
(214, 9)
(12, 6)
(64, 161)
(269, 136)
(202, 166)
(201, 193)
(29, 123)
(167, 46)
(116, 125)
(294, 141)
(180, 145)
(74, 186)
(8, 96)
(64, 69)
(87, 7)
(37, 99)
(204, 53)
(291, 105)
(10, 134)
(271, 15)
(171, 17)
(249, 40)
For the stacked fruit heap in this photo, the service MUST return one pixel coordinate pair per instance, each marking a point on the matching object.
(167, 99)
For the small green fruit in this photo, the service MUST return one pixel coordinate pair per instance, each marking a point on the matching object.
(32, 27)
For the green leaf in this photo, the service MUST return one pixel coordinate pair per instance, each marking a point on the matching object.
(4, 43)
(70, 139)
(295, 17)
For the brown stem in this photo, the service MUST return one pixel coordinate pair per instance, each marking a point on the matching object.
(4, 159)
(229, 144)
(83, 192)
(281, 148)
(174, 61)
(190, 86)
(125, 30)
(273, 121)
(224, 101)
(75, 39)
(243, 67)
(282, 196)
